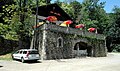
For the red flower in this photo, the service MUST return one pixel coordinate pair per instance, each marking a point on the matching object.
(51, 18)
(77, 26)
(80, 26)
(91, 29)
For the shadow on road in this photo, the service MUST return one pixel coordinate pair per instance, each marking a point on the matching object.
(1, 66)
(32, 62)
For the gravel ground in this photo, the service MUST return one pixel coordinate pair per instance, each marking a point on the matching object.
(109, 63)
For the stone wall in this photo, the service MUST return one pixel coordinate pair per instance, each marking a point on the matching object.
(7, 46)
(53, 50)
(50, 48)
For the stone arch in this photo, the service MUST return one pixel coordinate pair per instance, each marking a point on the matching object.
(78, 40)
(82, 48)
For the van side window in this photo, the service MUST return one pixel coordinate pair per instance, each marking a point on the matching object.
(24, 52)
(20, 52)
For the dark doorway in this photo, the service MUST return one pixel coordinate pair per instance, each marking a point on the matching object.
(81, 49)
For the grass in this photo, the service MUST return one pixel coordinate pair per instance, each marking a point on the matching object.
(6, 57)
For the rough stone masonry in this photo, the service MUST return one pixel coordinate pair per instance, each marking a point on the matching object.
(56, 42)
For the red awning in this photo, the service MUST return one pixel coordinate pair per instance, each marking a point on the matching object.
(68, 22)
(51, 18)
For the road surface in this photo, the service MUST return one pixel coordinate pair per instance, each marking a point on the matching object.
(109, 63)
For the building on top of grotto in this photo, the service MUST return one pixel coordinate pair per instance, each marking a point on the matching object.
(56, 41)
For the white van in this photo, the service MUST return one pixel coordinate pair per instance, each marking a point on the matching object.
(26, 54)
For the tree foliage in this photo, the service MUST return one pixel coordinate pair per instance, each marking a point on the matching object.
(76, 10)
(113, 30)
(17, 17)
(93, 15)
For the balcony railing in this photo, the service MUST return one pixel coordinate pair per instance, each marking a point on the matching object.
(68, 30)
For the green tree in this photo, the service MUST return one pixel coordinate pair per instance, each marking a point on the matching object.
(113, 30)
(93, 15)
(76, 10)
(66, 7)
(3, 29)
(85, 13)
(18, 17)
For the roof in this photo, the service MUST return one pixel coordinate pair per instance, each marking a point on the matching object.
(53, 10)
(47, 10)
(27, 50)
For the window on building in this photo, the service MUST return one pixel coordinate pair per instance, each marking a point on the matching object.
(60, 42)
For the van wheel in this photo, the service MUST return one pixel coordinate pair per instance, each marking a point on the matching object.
(13, 58)
(22, 60)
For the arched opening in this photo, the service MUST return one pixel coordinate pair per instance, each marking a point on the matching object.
(60, 42)
(82, 49)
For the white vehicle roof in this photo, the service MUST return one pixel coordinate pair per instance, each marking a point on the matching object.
(27, 50)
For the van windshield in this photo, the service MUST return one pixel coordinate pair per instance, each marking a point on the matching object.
(33, 52)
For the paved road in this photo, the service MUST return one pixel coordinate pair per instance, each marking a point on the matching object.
(109, 63)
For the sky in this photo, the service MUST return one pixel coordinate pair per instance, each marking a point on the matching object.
(109, 5)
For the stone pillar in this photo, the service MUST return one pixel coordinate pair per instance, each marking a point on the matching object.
(105, 47)
(43, 50)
